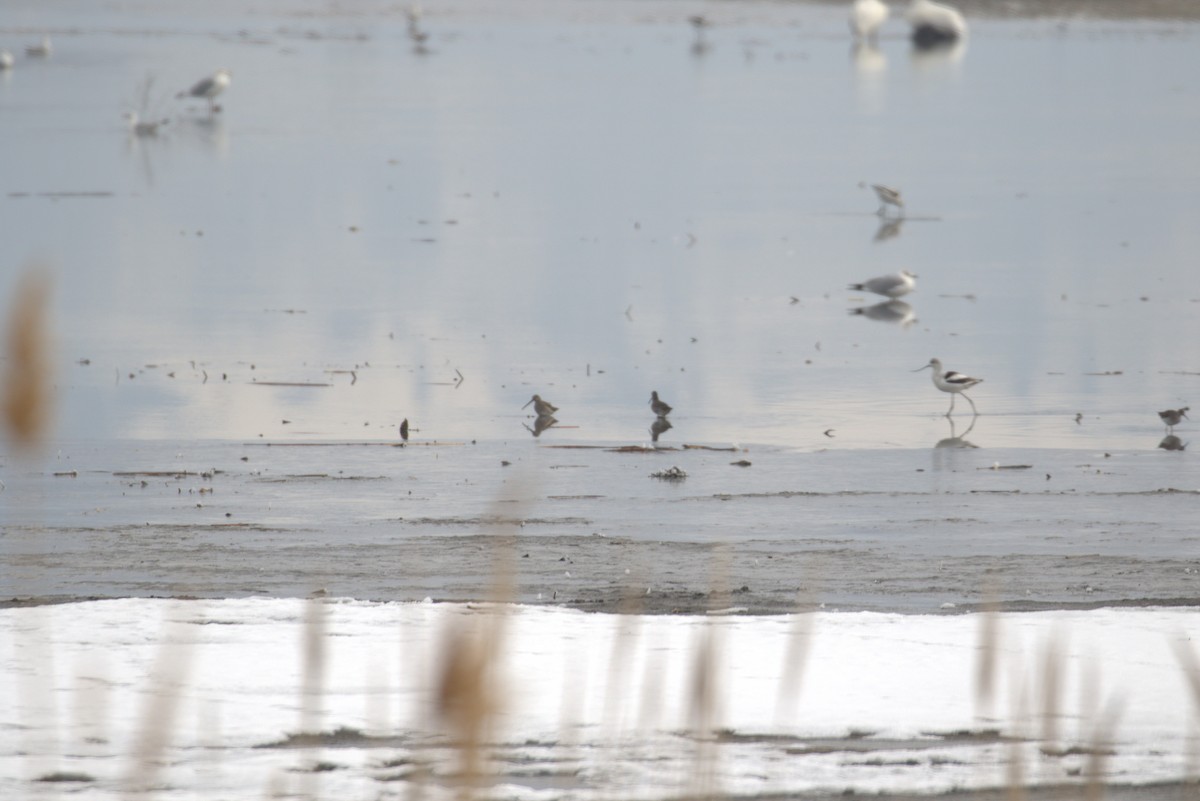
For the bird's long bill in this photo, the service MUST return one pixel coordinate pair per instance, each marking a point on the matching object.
(528, 402)
(919, 369)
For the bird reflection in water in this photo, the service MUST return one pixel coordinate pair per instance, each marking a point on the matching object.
(660, 426)
(700, 24)
(889, 228)
(956, 440)
(1172, 443)
(540, 424)
(889, 311)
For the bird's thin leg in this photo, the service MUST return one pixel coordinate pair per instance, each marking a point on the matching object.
(974, 411)
(951, 411)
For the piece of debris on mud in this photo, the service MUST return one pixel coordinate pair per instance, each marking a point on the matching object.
(741, 463)
(673, 473)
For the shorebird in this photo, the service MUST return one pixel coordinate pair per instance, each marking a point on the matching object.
(42, 49)
(659, 407)
(404, 429)
(540, 407)
(866, 18)
(140, 127)
(1172, 417)
(890, 286)
(6, 60)
(952, 382)
(209, 88)
(934, 24)
(888, 197)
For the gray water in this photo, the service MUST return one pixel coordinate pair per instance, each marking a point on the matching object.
(576, 201)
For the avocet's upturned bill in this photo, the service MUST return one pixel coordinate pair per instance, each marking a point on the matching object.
(866, 18)
(952, 382)
(890, 286)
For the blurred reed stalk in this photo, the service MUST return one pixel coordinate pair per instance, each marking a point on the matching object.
(27, 388)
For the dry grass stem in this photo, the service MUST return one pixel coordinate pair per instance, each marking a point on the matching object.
(27, 388)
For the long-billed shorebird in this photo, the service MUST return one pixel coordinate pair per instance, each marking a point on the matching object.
(209, 88)
(866, 18)
(935, 24)
(952, 382)
(660, 407)
(540, 407)
(888, 197)
(1172, 417)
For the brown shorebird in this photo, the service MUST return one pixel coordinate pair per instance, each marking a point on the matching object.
(659, 407)
(1172, 417)
(540, 407)
(952, 382)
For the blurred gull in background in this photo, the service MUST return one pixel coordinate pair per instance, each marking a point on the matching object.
(866, 18)
(934, 24)
(891, 286)
(209, 88)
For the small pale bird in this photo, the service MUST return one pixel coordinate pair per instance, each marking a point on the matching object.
(1172, 417)
(890, 286)
(140, 127)
(866, 18)
(952, 382)
(42, 49)
(6, 60)
(659, 407)
(540, 407)
(934, 24)
(209, 88)
(888, 197)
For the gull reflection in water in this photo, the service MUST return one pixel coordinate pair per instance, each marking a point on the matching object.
(870, 76)
(889, 229)
(660, 426)
(1172, 443)
(935, 58)
(542, 422)
(956, 440)
(889, 311)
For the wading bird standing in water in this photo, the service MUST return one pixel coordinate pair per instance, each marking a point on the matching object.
(209, 88)
(866, 18)
(952, 382)
(659, 407)
(888, 197)
(1172, 417)
(890, 286)
(540, 407)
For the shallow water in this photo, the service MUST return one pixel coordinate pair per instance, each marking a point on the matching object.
(585, 208)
